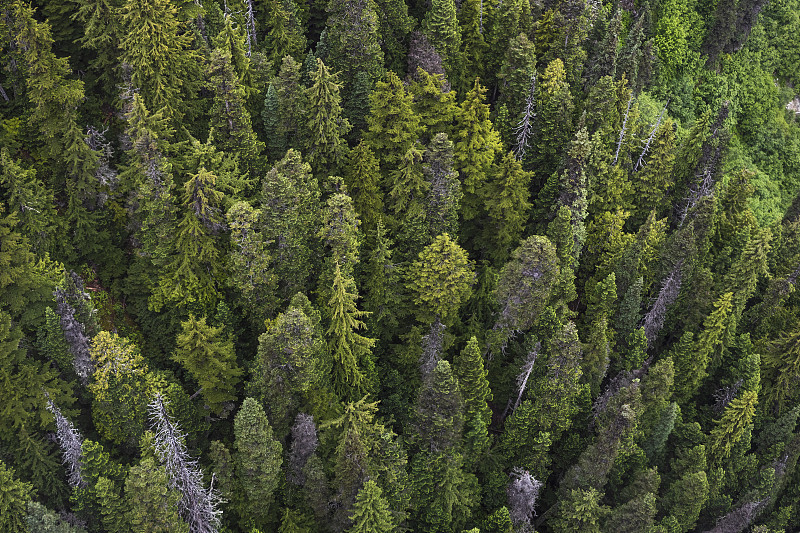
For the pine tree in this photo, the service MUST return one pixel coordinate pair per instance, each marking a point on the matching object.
(153, 507)
(353, 368)
(14, 498)
(441, 280)
(163, 67)
(210, 360)
(371, 511)
(325, 127)
(258, 457)
(477, 144)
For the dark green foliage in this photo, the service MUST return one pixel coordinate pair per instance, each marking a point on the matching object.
(14, 499)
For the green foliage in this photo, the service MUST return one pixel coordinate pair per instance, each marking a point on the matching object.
(153, 506)
(371, 511)
(440, 280)
(257, 457)
(14, 498)
(210, 359)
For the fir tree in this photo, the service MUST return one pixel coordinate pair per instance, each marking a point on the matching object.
(14, 499)
(517, 74)
(291, 102)
(353, 39)
(258, 457)
(371, 511)
(441, 28)
(469, 369)
(362, 178)
(434, 102)
(382, 285)
(441, 280)
(394, 27)
(353, 368)
(210, 360)
(325, 127)
(444, 192)
(152, 508)
(477, 144)
(553, 125)
(507, 206)
(276, 139)
(284, 31)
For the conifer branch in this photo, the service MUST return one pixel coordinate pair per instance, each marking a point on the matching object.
(525, 127)
(654, 320)
(640, 161)
(622, 131)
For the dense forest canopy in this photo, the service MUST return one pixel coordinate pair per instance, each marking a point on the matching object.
(367, 266)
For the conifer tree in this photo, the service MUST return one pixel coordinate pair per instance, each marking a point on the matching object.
(782, 366)
(362, 177)
(444, 191)
(517, 74)
(600, 341)
(192, 274)
(102, 34)
(210, 360)
(507, 206)
(580, 511)
(353, 368)
(270, 116)
(394, 27)
(284, 31)
(477, 144)
(408, 192)
(230, 119)
(325, 147)
(439, 411)
(341, 237)
(472, 17)
(382, 285)
(119, 387)
(371, 511)
(289, 215)
(394, 127)
(505, 22)
(14, 498)
(258, 457)
(251, 263)
(553, 125)
(434, 102)
(153, 507)
(353, 40)
(732, 426)
(653, 178)
(163, 67)
(441, 280)
(291, 362)
(291, 102)
(440, 26)
(469, 369)
(523, 288)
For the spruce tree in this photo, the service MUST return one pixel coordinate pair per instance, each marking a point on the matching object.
(444, 191)
(394, 27)
(507, 207)
(284, 31)
(440, 26)
(362, 177)
(553, 125)
(516, 75)
(163, 67)
(257, 457)
(477, 144)
(441, 280)
(353, 367)
(276, 139)
(153, 507)
(382, 285)
(434, 102)
(210, 359)
(468, 366)
(291, 103)
(14, 498)
(352, 38)
(371, 511)
(325, 128)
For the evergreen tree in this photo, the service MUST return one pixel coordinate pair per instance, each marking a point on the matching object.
(353, 367)
(474, 47)
(371, 511)
(553, 125)
(258, 457)
(507, 206)
(276, 139)
(441, 28)
(291, 103)
(382, 285)
(153, 506)
(325, 127)
(517, 75)
(362, 178)
(441, 280)
(14, 498)
(353, 40)
(230, 119)
(781, 368)
(444, 192)
(210, 360)
(394, 127)
(163, 67)
(469, 368)
(192, 274)
(477, 144)
(284, 31)
(732, 426)
(289, 215)
(342, 239)
(394, 27)
(434, 102)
